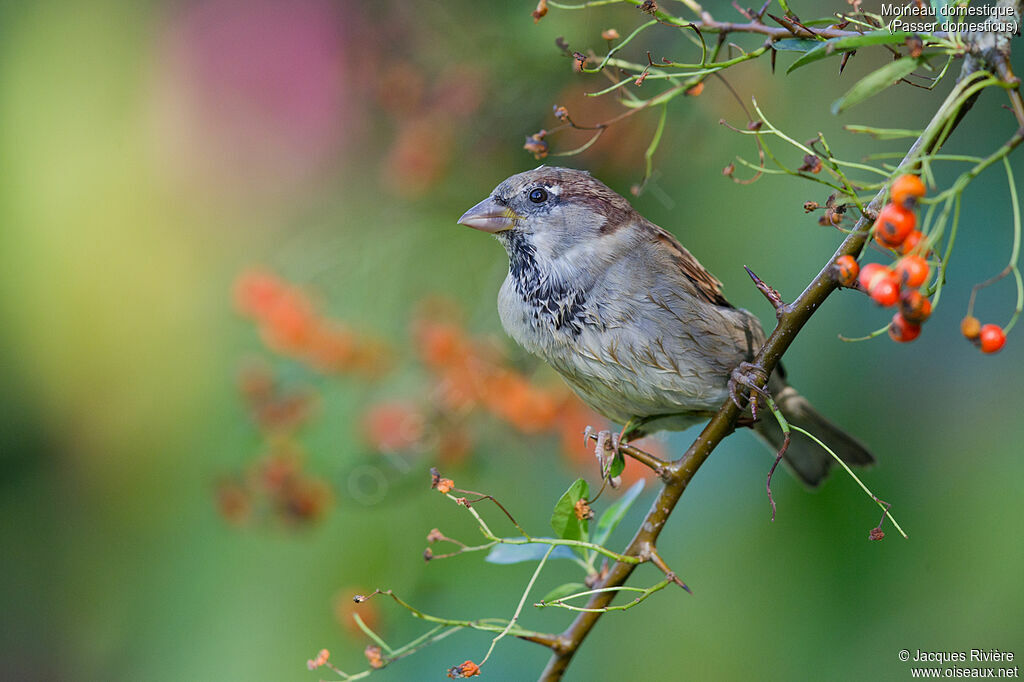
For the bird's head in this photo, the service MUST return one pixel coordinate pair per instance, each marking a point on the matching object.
(550, 210)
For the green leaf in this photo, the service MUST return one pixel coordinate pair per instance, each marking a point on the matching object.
(795, 44)
(613, 514)
(563, 591)
(836, 46)
(876, 81)
(563, 518)
(535, 551)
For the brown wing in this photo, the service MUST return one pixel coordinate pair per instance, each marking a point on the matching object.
(707, 285)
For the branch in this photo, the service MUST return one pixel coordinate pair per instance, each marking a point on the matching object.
(791, 320)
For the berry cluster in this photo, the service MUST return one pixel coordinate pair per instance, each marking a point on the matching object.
(899, 284)
(990, 338)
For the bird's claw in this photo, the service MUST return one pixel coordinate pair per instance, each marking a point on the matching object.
(752, 378)
(606, 450)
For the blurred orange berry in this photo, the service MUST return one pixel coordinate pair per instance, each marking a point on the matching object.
(610, 34)
(902, 330)
(912, 240)
(255, 291)
(906, 190)
(393, 427)
(915, 307)
(970, 327)
(992, 338)
(440, 343)
(331, 347)
(869, 273)
(885, 291)
(288, 322)
(846, 270)
(912, 271)
(696, 89)
(893, 225)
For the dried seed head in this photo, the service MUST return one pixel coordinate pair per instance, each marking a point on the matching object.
(542, 9)
(583, 510)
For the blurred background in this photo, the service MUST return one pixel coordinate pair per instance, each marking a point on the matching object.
(240, 324)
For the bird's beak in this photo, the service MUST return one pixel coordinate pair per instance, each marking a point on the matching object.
(489, 216)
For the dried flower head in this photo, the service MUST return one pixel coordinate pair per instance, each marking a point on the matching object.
(467, 669)
(374, 656)
(536, 145)
(542, 9)
(811, 164)
(321, 659)
(583, 510)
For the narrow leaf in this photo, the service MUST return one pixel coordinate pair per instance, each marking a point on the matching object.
(614, 513)
(563, 518)
(563, 591)
(514, 554)
(877, 81)
(837, 46)
(796, 44)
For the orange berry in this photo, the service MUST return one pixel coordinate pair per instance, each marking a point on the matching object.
(869, 273)
(912, 271)
(256, 291)
(911, 242)
(902, 330)
(992, 338)
(970, 327)
(906, 190)
(846, 270)
(915, 307)
(885, 291)
(893, 225)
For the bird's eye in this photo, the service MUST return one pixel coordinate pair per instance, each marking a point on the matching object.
(539, 195)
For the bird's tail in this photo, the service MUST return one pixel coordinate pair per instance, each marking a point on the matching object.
(804, 457)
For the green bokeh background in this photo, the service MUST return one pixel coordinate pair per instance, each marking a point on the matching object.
(134, 186)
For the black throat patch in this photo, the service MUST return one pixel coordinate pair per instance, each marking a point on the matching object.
(551, 300)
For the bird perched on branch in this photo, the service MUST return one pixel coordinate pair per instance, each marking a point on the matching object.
(629, 318)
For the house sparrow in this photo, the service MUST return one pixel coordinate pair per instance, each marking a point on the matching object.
(628, 317)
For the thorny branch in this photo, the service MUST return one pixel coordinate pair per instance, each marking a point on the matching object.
(987, 52)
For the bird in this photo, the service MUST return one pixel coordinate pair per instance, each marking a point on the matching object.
(630, 319)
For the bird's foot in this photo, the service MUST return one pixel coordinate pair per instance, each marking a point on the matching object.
(606, 450)
(748, 379)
